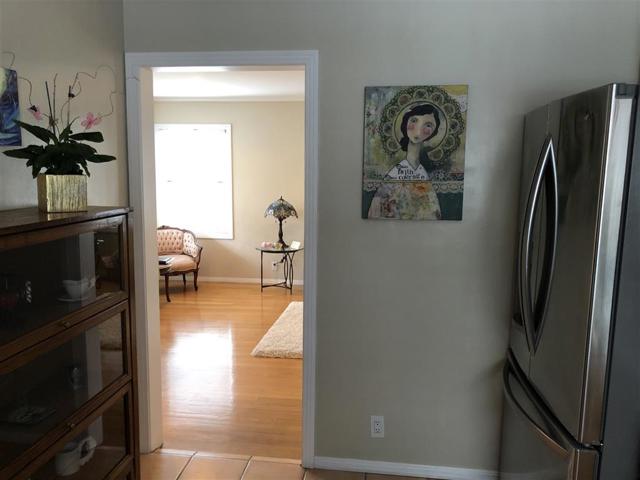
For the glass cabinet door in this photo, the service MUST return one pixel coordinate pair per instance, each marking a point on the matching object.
(51, 279)
(39, 395)
(93, 452)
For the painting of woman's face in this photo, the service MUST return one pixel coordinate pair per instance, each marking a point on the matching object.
(413, 152)
(421, 127)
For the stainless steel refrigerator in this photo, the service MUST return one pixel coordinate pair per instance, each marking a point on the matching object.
(572, 375)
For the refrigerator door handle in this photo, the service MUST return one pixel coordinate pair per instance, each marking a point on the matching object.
(545, 172)
(555, 434)
(551, 181)
(511, 398)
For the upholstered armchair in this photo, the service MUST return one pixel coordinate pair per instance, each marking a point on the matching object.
(184, 255)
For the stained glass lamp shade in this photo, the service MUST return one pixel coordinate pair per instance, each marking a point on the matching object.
(281, 210)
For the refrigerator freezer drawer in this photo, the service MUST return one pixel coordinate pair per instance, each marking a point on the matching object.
(533, 446)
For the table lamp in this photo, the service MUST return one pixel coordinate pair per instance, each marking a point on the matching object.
(281, 210)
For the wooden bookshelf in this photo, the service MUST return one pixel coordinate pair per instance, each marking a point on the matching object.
(67, 346)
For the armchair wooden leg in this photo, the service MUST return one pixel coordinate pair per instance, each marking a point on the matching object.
(166, 287)
(195, 280)
(184, 281)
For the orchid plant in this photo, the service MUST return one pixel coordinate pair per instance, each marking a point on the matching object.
(63, 152)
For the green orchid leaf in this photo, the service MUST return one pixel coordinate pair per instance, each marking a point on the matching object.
(42, 161)
(95, 137)
(83, 164)
(63, 155)
(29, 152)
(77, 149)
(100, 158)
(41, 133)
(64, 135)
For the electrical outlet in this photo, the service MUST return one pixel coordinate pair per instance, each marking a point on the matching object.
(377, 426)
(274, 266)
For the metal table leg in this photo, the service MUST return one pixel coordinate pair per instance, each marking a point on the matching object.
(288, 270)
(286, 259)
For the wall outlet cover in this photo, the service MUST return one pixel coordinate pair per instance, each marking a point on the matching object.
(377, 426)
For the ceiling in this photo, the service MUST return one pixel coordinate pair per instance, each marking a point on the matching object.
(246, 83)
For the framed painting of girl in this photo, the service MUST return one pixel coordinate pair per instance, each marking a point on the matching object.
(414, 142)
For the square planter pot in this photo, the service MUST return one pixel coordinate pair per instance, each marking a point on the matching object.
(62, 193)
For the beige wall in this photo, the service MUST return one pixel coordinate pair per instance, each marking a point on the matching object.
(268, 161)
(413, 316)
(63, 37)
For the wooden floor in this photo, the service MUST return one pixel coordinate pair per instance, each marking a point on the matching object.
(216, 396)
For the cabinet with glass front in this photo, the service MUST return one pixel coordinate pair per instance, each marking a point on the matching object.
(66, 345)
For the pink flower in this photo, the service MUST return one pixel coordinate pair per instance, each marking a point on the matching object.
(35, 111)
(90, 121)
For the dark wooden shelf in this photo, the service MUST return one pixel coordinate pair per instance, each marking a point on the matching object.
(29, 219)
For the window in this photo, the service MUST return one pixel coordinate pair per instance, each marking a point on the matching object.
(194, 178)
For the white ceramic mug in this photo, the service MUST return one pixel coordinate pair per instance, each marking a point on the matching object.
(78, 288)
(74, 455)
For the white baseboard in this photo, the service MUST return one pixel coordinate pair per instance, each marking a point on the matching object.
(406, 469)
(177, 278)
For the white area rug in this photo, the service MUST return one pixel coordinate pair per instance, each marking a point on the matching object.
(284, 338)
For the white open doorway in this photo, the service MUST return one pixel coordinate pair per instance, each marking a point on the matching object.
(143, 200)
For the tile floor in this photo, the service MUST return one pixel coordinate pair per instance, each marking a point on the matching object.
(167, 464)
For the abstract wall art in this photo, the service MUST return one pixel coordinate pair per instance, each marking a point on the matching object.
(414, 145)
(9, 109)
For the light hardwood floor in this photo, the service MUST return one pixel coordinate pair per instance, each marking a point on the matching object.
(216, 396)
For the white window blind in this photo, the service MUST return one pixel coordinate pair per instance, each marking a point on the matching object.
(194, 178)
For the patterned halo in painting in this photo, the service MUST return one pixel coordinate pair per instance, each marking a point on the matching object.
(414, 143)
(9, 109)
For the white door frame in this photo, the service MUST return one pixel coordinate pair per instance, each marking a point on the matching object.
(142, 199)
